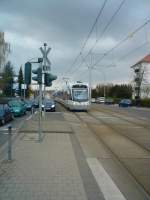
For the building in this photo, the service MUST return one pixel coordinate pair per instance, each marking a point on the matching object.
(141, 86)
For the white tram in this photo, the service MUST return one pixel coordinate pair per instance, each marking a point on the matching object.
(75, 97)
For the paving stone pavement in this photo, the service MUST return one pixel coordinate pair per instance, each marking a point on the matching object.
(46, 171)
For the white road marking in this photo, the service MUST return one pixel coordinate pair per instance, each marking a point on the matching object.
(104, 181)
(29, 117)
(6, 129)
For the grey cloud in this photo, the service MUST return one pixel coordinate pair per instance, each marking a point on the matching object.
(64, 25)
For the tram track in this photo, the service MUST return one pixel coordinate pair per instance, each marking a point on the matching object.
(123, 161)
(114, 128)
(127, 161)
(117, 114)
(120, 131)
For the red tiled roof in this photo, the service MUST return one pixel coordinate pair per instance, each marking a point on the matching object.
(146, 59)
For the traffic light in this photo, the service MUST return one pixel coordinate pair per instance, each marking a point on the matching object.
(37, 78)
(27, 73)
(48, 78)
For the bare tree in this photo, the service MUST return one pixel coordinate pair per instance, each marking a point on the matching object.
(4, 50)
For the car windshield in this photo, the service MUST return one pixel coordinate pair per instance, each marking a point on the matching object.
(49, 103)
(126, 101)
(80, 95)
(14, 103)
(28, 102)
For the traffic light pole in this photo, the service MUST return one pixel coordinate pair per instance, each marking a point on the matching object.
(44, 74)
(40, 110)
(37, 78)
(40, 114)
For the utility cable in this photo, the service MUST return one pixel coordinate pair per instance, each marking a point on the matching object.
(104, 30)
(122, 41)
(88, 36)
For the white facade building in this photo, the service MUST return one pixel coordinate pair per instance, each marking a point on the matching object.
(141, 84)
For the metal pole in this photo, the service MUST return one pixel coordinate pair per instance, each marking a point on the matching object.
(24, 92)
(40, 111)
(104, 84)
(90, 78)
(21, 92)
(45, 45)
(9, 143)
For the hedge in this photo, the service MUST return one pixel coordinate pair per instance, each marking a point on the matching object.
(145, 103)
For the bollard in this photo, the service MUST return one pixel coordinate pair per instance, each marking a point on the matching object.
(32, 110)
(9, 143)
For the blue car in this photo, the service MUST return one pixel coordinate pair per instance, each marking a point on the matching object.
(18, 108)
(125, 103)
(5, 114)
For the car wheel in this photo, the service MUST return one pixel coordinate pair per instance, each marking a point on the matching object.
(3, 121)
(12, 117)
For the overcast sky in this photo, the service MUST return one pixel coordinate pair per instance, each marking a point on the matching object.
(64, 26)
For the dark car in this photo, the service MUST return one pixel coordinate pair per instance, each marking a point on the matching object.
(109, 101)
(29, 105)
(125, 103)
(49, 105)
(36, 103)
(5, 114)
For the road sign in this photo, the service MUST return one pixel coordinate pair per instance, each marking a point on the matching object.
(24, 86)
(15, 86)
(45, 53)
(46, 68)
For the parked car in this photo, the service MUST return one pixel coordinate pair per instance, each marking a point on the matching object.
(93, 100)
(109, 101)
(18, 108)
(125, 103)
(5, 114)
(100, 100)
(36, 103)
(29, 105)
(49, 105)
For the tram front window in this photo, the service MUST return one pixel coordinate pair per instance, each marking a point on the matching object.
(80, 95)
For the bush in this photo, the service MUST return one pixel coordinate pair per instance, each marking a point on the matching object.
(145, 102)
(117, 100)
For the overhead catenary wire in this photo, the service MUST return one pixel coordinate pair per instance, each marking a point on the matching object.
(88, 36)
(101, 35)
(134, 50)
(121, 42)
(106, 27)
(125, 39)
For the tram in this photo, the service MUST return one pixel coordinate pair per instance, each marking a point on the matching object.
(75, 97)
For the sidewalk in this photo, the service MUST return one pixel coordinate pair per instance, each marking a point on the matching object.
(69, 164)
(46, 170)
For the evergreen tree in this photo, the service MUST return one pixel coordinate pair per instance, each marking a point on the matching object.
(7, 77)
(113, 91)
(20, 81)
